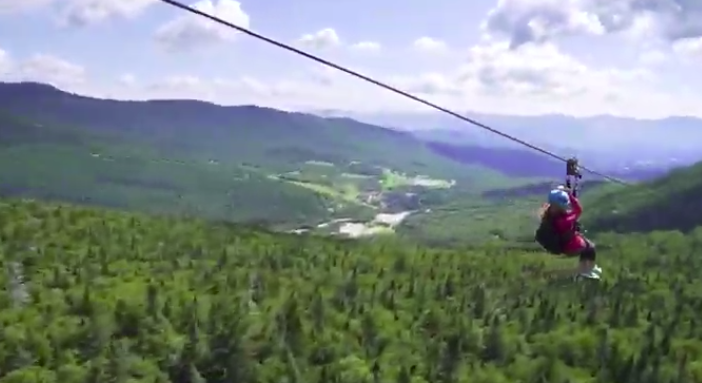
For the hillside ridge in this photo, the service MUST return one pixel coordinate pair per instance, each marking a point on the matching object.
(671, 202)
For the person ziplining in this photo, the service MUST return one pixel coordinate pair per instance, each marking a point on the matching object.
(560, 232)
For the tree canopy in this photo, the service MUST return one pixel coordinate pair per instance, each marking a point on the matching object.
(104, 296)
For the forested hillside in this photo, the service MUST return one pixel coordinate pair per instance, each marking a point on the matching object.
(672, 202)
(277, 139)
(68, 164)
(100, 296)
(244, 164)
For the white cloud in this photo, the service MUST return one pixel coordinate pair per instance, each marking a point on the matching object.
(367, 46)
(530, 80)
(653, 57)
(244, 90)
(524, 21)
(14, 6)
(85, 12)
(128, 79)
(689, 48)
(528, 21)
(5, 64)
(188, 32)
(429, 84)
(428, 44)
(544, 71)
(79, 13)
(322, 39)
(42, 68)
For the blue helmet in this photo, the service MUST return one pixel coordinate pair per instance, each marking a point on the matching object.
(559, 198)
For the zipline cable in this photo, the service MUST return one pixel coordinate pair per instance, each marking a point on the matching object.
(353, 73)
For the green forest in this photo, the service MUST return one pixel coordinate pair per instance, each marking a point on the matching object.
(106, 296)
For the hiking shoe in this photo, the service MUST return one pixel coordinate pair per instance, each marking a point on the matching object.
(590, 275)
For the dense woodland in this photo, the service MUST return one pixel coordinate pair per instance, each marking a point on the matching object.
(670, 202)
(104, 296)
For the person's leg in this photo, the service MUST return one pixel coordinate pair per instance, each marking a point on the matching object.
(588, 256)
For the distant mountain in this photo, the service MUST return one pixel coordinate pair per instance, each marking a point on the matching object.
(202, 159)
(602, 141)
(527, 163)
(277, 139)
(282, 140)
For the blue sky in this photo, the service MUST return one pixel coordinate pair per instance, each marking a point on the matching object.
(538, 56)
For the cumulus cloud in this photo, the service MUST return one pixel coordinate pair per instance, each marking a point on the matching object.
(691, 48)
(544, 71)
(79, 13)
(652, 57)
(281, 93)
(51, 69)
(42, 68)
(536, 21)
(494, 78)
(524, 21)
(366, 46)
(5, 63)
(188, 32)
(428, 44)
(328, 38)
(13, 6)
(321, 39)
(430, 84)
(127, 79)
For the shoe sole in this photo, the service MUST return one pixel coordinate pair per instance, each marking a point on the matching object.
(589, 276)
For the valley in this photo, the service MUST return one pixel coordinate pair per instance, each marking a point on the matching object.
(284, 171)
(358, 199)
(269, 168)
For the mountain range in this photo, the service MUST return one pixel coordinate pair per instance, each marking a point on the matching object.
(241, 162)
(604, 142)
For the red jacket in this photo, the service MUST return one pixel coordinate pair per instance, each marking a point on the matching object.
(565, 223)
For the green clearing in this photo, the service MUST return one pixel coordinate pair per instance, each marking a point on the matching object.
(391, 180)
